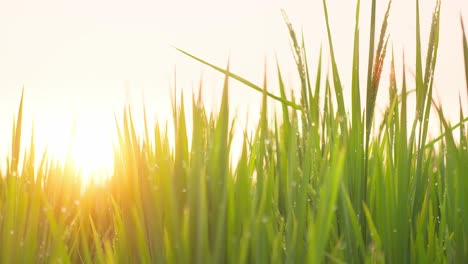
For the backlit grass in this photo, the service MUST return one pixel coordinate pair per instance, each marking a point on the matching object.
(313, 184)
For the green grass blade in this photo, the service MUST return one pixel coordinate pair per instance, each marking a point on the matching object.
(465, 52)
(16, 146)
(336, 77)
(242, 80)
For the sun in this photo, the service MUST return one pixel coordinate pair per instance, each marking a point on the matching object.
(92, 151)
(86, 142)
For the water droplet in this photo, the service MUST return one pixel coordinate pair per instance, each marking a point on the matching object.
(63, 210)
(12, 232)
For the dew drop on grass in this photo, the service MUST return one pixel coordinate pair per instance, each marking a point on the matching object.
(265, 219)
(394, 230)
(12, 232)
(63, 210)
(184, 190)
(77, 202)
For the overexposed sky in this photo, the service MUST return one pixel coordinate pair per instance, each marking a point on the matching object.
(84, 59)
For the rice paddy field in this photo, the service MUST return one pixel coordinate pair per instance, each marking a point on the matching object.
(313, 183)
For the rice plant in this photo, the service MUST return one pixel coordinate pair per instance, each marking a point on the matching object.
(312, 184)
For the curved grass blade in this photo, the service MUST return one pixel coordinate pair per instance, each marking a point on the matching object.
(242, 80)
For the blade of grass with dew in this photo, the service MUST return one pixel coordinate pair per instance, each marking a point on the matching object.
(425, 106)
(336, 77)
(181, 156)
(219, 172)
(367, 127)
(197, 187)
(318, 234)
(456, 197)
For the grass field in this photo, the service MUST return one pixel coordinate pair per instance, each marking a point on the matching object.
(313, 184)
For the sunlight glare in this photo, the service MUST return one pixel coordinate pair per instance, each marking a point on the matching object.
(92, 152)
(89, 148)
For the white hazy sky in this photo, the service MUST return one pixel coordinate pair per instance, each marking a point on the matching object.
(84, 59)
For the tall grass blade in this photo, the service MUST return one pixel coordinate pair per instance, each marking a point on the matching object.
(465, 52)
(242, 80)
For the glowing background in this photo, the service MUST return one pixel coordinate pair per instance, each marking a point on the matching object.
(84, 59)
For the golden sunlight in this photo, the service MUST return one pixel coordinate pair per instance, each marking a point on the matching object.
(92, 152)
(86, 143)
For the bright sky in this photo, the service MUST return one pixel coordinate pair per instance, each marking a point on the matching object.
(84, 59)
